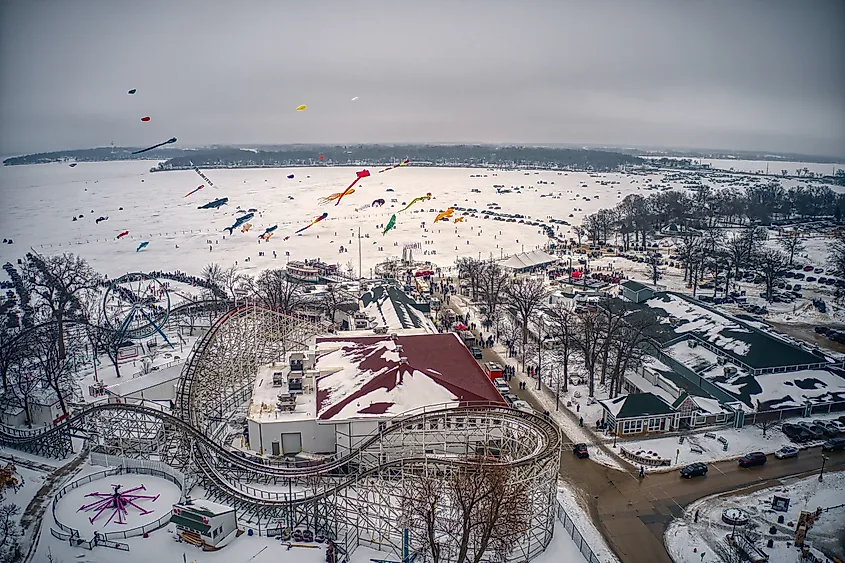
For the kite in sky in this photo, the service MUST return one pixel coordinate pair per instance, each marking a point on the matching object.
(444, 214)
(425, 197)
(133, 90)
(403, 163)
(312, 223)
(322, 157)
(239, 221)
(268, 232)
(169, 141)
(201, 186)
(390, 224)
(302, 108)
(355, 98)
(246, 227)
(362, 174)
(123, 234)
(145, 118)
(73, 164)
(290, 176)
(142, 246)
(203, 176)
(335, 196)
(215, 204)
(378, 202)
(459, 220)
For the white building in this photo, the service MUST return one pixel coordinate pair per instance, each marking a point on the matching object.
(327, 399)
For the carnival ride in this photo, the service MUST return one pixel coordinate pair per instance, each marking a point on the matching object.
(354, 498)
(118, 502)
(136, 306)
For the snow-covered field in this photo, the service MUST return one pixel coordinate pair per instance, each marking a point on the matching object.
(686, 540)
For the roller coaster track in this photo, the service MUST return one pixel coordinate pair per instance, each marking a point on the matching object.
(355, 490)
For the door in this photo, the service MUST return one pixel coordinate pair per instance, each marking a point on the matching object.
(291, 443)
(275, 448)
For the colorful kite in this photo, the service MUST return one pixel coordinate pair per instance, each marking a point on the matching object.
(301, 108)
(362, 174)
(322, 157)
(145, 118)
(123, 234)
(403, 163)
(201, 186)
(312, 223)
(290, 176)
(390, 224)
(459, 220)
(169, 141)
(239, 221)
(425, 197)
(133, 90)
(268, 232)
(246, 227)
(142, 246)
(334, 197)
(444, 214)
(378, 203)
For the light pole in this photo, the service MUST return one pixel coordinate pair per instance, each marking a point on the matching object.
(540, 355)
(821, 473)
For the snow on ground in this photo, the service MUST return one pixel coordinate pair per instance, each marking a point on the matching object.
(580, 516)
(32, 481)
(684, 535)
(740, 442)
(68, 513)
(162, 547)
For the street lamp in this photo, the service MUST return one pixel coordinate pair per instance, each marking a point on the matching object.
(540, 356)
(821, 473)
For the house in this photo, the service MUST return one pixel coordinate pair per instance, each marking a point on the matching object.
(205, 523)
(639, 413)
(635, 291)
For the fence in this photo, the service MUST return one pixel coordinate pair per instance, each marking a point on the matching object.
(118, 465)
(576, 535)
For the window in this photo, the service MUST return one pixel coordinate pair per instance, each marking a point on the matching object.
(721, 417)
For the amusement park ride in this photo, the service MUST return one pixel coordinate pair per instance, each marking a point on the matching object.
(137, 306)
(118, 502)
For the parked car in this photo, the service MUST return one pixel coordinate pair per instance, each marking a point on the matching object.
(476, 353)
(502, 386)
(834, 445)
(816, 432)
(752, 459)
(580, 450)
(522, 406)
(694, 470)
(786, 452)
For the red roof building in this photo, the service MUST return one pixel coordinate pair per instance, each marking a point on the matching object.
(377, 376)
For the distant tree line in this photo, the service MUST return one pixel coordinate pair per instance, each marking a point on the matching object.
(309, 155)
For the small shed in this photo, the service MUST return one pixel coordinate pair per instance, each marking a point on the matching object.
(639, 413)
(636, 292)
(205, 523)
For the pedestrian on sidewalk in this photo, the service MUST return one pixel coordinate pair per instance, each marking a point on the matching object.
(642, 472)
(696, 516)
(581, 421)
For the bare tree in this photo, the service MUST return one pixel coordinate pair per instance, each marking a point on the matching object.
(562, 326)
(735, 247)
(275, 290)
(727, 551)
(213, 274)
(60, 282)
(791, 244)
(654, 267)
(10, 532)
(525, 296)
(331, 300)
(589, 339)
(836, 255)
(23, 386)
(772, 265)
(765, 424)
(471, 270)
(424, 499)
(232, 280)
(53, 369)
(493, 282)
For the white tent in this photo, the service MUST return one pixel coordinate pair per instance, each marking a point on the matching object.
(528, 260)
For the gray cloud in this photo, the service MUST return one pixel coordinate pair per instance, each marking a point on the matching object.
(753, 74)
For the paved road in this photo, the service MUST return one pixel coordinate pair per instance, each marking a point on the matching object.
(632, 514)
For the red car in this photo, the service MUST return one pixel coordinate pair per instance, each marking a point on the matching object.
(752, 459)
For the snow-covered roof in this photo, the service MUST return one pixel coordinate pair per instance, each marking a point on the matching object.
(389, 306)
(783, 390)
(637, 405)
(529, 259)
(127, 387)
(733, 337)
(381, 375)
(206, 507)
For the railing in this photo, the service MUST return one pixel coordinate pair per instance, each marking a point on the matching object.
(576, 535)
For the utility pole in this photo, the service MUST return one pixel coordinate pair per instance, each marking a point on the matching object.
(540, 356)
(360, 268)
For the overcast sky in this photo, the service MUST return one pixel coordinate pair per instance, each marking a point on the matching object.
(726, 74)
